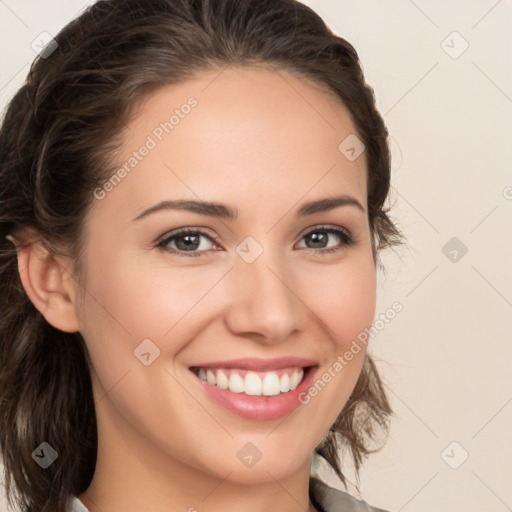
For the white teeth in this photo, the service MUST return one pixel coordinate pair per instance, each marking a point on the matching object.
(296, 379)
(271, 384)
(210, 377)
(222, 380)
(236, 383)
(252, 383)
(285, 383)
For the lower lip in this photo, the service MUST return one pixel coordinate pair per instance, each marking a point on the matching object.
(258, 407)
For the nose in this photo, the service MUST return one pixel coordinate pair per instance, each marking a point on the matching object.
(265, 301)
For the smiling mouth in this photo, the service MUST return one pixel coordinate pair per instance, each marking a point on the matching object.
(254, 383)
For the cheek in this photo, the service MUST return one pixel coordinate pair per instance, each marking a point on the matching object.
(133, 298)
(345, 303)
(356, 309)
(123, 307)
(344, 300)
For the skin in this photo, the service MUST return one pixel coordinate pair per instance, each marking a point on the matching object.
(263, 142)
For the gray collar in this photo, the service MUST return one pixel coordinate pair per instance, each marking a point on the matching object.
(328, 499)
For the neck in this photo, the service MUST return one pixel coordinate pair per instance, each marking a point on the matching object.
(194, 492)
(132, 474)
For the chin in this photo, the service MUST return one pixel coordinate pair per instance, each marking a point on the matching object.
(276, 466)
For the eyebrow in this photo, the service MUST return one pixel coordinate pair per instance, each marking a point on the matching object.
(225, 212)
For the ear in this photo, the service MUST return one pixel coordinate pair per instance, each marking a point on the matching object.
(49, 283)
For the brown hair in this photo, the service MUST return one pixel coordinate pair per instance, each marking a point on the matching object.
(57, 142)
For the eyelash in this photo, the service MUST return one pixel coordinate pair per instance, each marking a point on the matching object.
(348, 240)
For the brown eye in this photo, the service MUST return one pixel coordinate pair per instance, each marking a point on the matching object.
(186, 242)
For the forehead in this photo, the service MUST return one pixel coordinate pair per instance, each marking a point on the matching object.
(239, 130)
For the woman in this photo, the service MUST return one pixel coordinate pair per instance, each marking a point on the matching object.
(194, 191)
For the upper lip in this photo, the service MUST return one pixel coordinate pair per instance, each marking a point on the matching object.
(258, 364)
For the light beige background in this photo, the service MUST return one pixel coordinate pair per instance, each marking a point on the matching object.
(446, 358)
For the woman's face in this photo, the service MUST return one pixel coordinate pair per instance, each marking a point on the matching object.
(268, 284)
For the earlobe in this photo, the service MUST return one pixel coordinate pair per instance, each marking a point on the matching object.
(49, 285)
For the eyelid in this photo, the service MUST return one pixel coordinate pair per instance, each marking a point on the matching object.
(188, 229)
(320, 227)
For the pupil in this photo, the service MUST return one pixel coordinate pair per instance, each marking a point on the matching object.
(188, 244)
(318, 238)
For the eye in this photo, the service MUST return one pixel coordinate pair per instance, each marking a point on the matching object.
(319, 237)
(187, 241)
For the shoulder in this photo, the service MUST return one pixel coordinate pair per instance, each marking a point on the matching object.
(334, 500)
